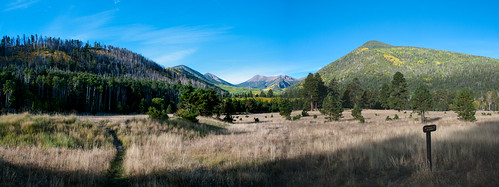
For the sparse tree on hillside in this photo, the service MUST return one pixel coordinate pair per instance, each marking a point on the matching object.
(421, 101)
(262, 94)
(332, 107)
(463, 106)
(270, 93)
(399, 95)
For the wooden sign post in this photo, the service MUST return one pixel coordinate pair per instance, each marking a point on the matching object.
(428, 129)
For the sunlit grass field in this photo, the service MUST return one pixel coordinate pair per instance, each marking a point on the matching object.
(273, 152)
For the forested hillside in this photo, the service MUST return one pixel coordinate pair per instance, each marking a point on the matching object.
(374, 63)
(51, 74)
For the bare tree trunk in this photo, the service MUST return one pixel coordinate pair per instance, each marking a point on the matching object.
(422, 117)
(311, 103)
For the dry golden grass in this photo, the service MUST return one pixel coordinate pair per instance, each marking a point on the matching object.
(43, 150)
(311, 152)
(34, 166)
(274, 152)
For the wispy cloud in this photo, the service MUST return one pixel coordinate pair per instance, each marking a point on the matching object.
(174, 57)
(164, 45)
(18, 4)
(116, 2)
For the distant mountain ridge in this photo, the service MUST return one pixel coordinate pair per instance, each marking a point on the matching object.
(208, 77)
(274, 82)
(217, 80)
(374, 63)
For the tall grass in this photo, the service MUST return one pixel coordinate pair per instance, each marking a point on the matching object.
(43, 150)
(50, 131)
(302, 153)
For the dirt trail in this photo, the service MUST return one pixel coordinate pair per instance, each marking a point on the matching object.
(115, 176)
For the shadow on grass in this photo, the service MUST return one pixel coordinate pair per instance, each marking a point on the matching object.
(16, 175)
(431, 120)
(396, 161)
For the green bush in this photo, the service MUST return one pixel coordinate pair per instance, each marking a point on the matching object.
(297, 117)
(315, 116)
(362, 120)
(388, 118)
(396, 117)
(188, 115)
(304, 113)
(357, 112)
(157, 110)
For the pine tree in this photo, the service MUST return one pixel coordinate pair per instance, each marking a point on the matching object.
(422, 101)
(285, 108)
(314, 90)
(228, 110)
(332, 88)
(332, 107)
(262, 94)
(355, 91)
(463, 106)
(399, 94)
(157, 109)
(270, 93)
(357, 112)
(384, 96)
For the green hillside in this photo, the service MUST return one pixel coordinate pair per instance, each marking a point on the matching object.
(243, 90)
(375, 63)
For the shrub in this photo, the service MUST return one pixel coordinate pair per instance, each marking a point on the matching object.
(271, 115)
(315, 116)
(362, 120)
(157, 109)
(357, 112)
(256, 120)
(297, 117)
(288, 117)
(388, 118)
(188, 115)
(304, 113)
(396, 117)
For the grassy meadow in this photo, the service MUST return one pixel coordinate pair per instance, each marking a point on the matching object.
(43, 150)
(273, 152)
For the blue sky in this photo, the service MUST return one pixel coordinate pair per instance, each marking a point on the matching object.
(238, 39)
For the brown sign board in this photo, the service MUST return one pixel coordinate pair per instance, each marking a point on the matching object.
(429, 128)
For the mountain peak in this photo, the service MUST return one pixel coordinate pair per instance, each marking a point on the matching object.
(375, 44)
(263, 82)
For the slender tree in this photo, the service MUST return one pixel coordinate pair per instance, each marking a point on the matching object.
(463, 106)
(270, 93)
(422, 101)
(332, 107)
(399, 95)
(384, 96)
(314, 90)
(285, 108)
